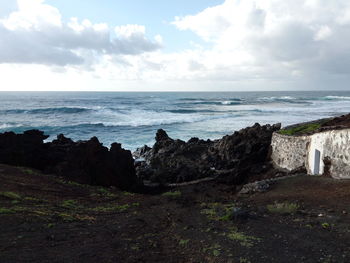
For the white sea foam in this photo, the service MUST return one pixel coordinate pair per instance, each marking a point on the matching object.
(9, 125)
(337, 97)
(137, 118)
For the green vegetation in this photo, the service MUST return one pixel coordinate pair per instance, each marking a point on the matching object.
(310, 127)
(69, 204)
(27, 170)
(103, 192)
(6, 210)
(283, 208)
(217, 211)
(172, 195)
(184, 242)
(111, 208)
(214, 250)
(326, 225)
(243, 239)
(66, 217)
(10, 195)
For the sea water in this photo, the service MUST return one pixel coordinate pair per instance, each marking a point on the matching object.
(132, 118)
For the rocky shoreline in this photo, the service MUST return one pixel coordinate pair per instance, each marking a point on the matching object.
(234, 159)
(194, 201)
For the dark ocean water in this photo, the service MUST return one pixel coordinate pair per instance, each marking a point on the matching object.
(133, 118)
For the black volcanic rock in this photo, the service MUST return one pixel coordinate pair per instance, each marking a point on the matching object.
(25, 149)
(83, 161)
(233, 159)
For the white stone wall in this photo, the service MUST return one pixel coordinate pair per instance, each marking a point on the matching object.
(289, 152)
(335, 145)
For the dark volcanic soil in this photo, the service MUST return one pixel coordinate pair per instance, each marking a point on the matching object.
(47, 219)
(343, 121)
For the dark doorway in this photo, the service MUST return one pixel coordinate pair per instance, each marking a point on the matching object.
(317, 162)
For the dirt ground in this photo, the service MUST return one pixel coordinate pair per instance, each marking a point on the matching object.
(47, 219)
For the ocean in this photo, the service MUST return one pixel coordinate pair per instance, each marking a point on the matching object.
(132, 118)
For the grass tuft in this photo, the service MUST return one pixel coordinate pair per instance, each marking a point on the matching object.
(283, 208)
(243, 239)
(69, 204)
(184, 242)
(172, 195)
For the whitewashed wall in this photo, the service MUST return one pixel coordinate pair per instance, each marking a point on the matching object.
(289, 152)
(334, 144)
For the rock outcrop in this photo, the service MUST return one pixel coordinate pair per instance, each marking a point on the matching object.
(233, 159)
(83, 161)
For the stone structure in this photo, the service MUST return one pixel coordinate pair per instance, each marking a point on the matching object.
(326, 152)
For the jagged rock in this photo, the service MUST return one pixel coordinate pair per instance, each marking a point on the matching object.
(233, 158)
(141, 152)
(83, 161)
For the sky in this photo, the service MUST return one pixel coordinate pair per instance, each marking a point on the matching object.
(157, 45)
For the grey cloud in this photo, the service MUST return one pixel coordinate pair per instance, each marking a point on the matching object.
(24, 47)
(64, 46)
(292, 42)
(256, 18)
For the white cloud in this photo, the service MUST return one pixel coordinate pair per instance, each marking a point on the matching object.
(256, 37)
(36, 34)
(248, 43)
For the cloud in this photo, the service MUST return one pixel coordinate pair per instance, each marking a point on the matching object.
(290, 36)
(243, 43)
(35, 33)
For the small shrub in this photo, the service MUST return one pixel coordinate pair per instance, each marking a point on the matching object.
(325, 225)
(283, 208)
